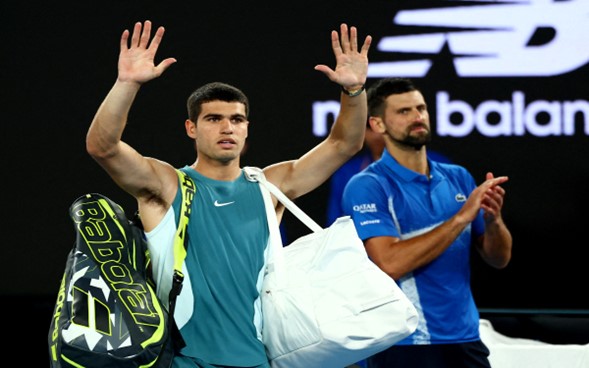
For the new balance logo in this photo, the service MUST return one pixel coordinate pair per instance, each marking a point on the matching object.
(501, 38)
(217, 204)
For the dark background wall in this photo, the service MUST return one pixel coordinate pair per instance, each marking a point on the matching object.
(58, 61)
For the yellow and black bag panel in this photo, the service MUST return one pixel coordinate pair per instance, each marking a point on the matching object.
(107, 313)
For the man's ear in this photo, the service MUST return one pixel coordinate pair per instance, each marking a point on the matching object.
(376, 124)
(190, 127)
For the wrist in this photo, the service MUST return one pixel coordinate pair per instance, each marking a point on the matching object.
(353, 91)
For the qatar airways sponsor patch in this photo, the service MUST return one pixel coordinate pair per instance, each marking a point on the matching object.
(365, 208)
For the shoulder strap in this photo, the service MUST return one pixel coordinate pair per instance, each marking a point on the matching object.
(275, 246)
(256, 174)
(188, 189)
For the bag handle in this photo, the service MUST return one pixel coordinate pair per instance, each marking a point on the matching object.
(276, 248)
(256, 174)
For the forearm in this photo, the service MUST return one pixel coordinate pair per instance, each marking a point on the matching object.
(298, 177)
(350, 125)
(497, 244)
(407, 255)
(109, 122)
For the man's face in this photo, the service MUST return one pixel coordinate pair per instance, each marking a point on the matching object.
(406, 120)
(221, 130)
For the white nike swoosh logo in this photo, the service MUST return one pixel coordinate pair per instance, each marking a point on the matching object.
(217, 204)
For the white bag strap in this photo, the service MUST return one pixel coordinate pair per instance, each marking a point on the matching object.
(256, 174)
(275, 246)
(277, 255)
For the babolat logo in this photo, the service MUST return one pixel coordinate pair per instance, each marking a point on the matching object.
(105, 240)
(190, 190)
(502, 38)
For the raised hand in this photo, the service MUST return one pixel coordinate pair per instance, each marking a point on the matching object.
(351, 64)
(492, 201)
(136, 59)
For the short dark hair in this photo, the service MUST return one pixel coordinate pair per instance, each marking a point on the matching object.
(214, 91)
(383, 88)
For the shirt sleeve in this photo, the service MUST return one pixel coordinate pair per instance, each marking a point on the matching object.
(368, 203)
